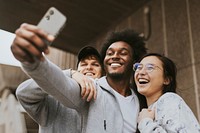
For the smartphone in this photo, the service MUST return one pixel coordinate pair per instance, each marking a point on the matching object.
(52, 22)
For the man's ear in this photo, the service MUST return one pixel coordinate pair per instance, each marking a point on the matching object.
(166, 81)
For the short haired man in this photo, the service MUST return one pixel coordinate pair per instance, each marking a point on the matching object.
(89, 62)
(116, 106)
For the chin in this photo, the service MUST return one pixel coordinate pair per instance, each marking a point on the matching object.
(115, 75)
(141, 91)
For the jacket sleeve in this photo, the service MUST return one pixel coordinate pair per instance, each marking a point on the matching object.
(172, 115)
(38, 104)
(54, 81)
(147, 125)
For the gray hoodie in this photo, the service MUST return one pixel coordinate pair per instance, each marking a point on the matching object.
(51, 115)
(98, 116)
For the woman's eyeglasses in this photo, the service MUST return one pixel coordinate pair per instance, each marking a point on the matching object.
(148, 67)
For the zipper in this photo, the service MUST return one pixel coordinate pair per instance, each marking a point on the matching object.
(104, 112)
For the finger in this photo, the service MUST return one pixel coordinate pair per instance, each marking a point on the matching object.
(39, 31)
(91, 93)
(21, 55)
(149, 110)
(87, 91)
(27, 47)
(83, 89)
(94, 91)
(144, 109)
(33, 38)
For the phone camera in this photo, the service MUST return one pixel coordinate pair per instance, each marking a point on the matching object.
(47, 17)
(51, 12)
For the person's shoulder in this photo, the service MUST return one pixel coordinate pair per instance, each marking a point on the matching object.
(101, 80)
(170, 97)
(102, 83)
(170, 94)
(98, 81)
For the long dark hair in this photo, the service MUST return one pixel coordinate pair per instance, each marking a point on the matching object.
(170, 72)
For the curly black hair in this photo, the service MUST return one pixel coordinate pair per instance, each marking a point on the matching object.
(130, 37)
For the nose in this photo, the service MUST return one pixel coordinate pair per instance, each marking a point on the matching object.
(142, 71)
(115, 56)
(89, 66)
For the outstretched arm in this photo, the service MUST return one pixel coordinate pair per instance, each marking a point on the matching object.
(28, 47)
(38, 104)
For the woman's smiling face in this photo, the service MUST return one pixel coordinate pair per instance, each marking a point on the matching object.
(149, 77)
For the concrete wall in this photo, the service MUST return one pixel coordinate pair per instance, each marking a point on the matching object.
(174, 32)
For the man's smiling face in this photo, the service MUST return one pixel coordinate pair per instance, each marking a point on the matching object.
(118, 59)
(90, 66)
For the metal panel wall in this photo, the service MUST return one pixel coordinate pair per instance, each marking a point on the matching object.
(175, 33)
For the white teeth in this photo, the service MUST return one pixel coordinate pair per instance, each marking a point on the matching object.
(143, 80)
(89, 74)
(115, 65)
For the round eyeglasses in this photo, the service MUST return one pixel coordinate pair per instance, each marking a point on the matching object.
(148, 67)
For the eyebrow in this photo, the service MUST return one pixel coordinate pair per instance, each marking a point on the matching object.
(93, 61)
(120, 49)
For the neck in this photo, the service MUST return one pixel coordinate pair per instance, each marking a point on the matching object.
(121, 86)
(153, 98)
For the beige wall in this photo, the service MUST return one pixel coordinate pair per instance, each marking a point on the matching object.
(63, 59)
(175, 33)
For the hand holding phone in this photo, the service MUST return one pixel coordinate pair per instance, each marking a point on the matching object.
(52, 22)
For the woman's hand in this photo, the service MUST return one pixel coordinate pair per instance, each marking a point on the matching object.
(146, 113)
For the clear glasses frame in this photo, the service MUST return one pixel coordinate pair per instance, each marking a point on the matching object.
(148, 67)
